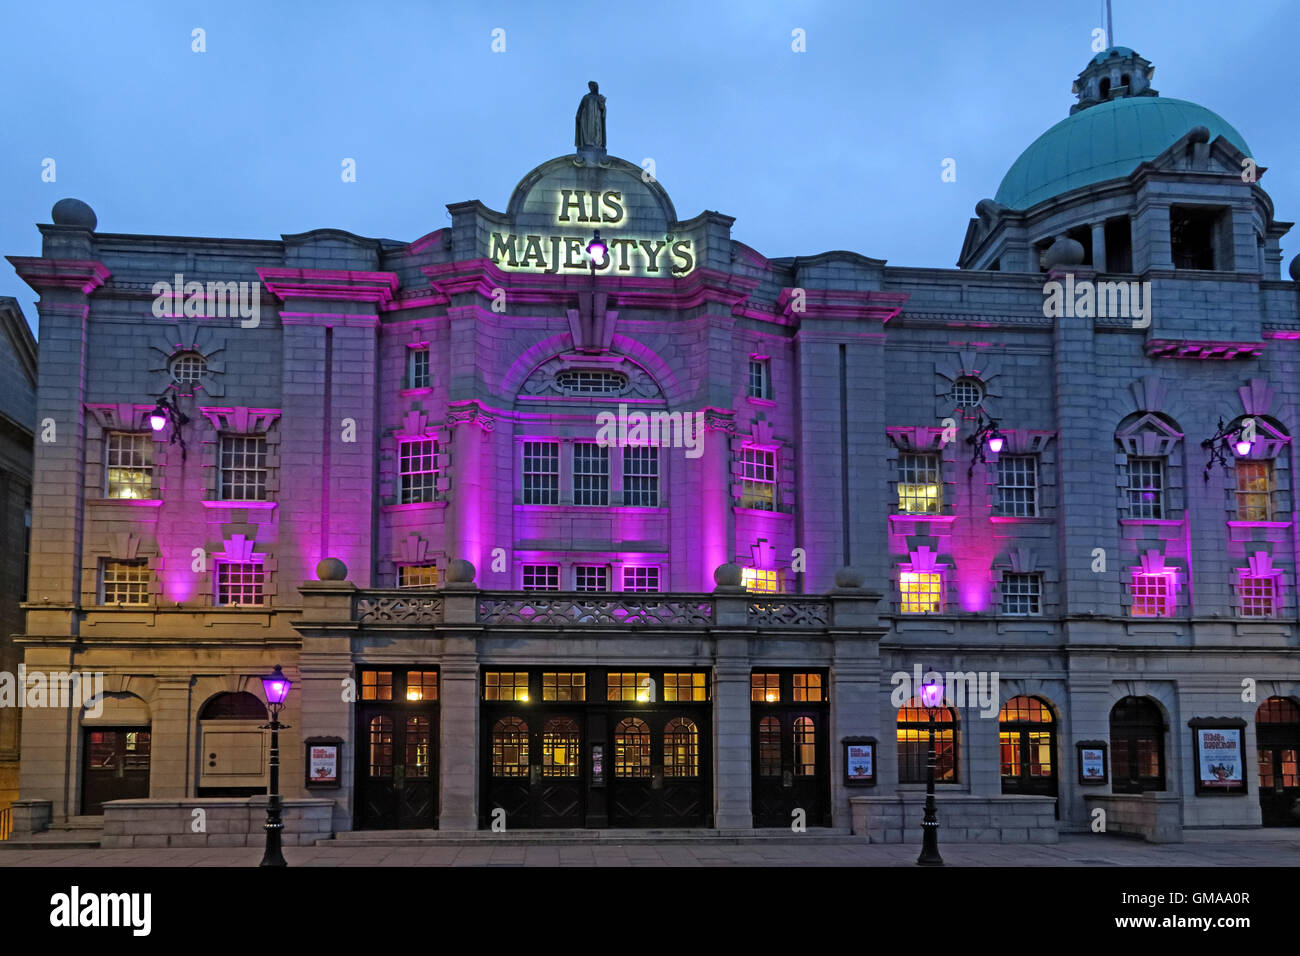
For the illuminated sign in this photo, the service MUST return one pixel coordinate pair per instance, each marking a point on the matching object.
(551, 254)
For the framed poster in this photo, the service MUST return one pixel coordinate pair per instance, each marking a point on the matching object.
(323, 761)
(1220, 758)
(859, 761)
(598, 765)
(1092, 761)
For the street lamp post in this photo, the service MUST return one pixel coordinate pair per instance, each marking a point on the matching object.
(277, 687)
(931, 697)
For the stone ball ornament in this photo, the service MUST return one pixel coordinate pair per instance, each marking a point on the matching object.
(1294, 269)
(1199, 134)
(848, 578)
(73, 212)
(728, 575)
(460, 571)
(331, 569)
(1064, 252)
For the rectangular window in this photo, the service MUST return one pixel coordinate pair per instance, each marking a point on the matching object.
(376, 685)
(641, 476)
(1018, 486)
(682, 687)
(920, 492)
(421, 685)
(922, 592)
(641, 579)
(1258, 596)
(541, 577)
(1021, 594)
(1146, 487)
(128, 465)
(505, 685)
(590, 474)
(590, 577)
(417, 369)
(125, 582)
(239, 585)
(761, 581)
(541, 473)
(627, 686)
(243, 468)
(417, 576)
(760, 378)
(765, 688)
(758, 479)
(808, 687)
(1153, 595)
(1254, 490)
(564, 686)
(417, 466)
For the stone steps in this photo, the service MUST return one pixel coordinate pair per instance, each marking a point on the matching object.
(434, 838)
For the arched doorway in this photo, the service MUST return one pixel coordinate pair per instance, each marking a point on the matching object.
(914, 743)
(233, 750)
(1137, 743)
(116, 747)
(1277, 737)
(1027, 738)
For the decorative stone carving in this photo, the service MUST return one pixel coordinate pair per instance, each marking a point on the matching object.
(572, 611)
(777, 613)
(399, 610)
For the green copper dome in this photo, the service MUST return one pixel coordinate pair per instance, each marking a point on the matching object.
(1106, 141)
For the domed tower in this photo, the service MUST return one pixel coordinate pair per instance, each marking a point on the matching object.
(1141, 181)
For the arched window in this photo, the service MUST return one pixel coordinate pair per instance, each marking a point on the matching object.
(561, 743)
(240, 706)
(418, 763)
(1137, 743)
(510, 748)
(381, 746)
(1104, 87)
(914, 743)
(681, 748)
(631, 748)
(1278, 710)
(805, 747)
(769, 747)
(1025, 741)
(1124, 80)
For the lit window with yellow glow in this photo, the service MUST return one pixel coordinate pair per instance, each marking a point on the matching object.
(765, 688)
(510, 748)
(505, 685)
(128, 463)
(808, 687)
(417, 576)
(561, 742)
(921, 592)
(628, 686)
(681, 748)
(920, 490)
(691, 686)
(422, 685)
(376, 685)
(762, 582)
(564, 686)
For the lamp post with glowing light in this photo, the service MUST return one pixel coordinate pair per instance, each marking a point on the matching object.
(596, 252)
(931, 697)
(277, 687)
(165, 412)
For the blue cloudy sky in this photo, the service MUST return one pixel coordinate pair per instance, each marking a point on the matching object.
(839, 147)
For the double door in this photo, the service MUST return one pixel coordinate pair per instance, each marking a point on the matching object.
(536, 776)
(116, 766)
(791, 766)
(397, 767)
(1279, 780)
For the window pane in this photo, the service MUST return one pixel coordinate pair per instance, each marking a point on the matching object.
(418, 763)
(541, 577)
(417, 469)
(541, 473)
(1020, 594)
(758, 479)
(128, 465)
(681, 748)
(631, 748)
(505, 685)
(765, 688)
(683, 687)
(921, 592)
(560, 748)
(422, 685)
(510, 748)
(127, 582)
(376, 685)
(805, 747)
(239, 585)
(641, 579)
(628, 686)
(417, 576)
(920, 490)
(243, 468)
(808, 687)
(769, 747)
(641, 476)
(564, 686)
(590, 474)
(1146, 487)
(381, 747)
(1254, 490)
(1018, 485)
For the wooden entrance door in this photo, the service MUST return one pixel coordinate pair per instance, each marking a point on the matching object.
(116, 766)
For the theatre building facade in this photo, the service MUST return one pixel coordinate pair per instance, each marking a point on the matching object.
(582, 515)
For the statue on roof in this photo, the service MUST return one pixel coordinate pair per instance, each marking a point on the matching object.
(589, 124)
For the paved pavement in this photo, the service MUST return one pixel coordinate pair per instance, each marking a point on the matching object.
(1222, 848)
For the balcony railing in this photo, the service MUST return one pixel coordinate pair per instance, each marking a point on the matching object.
(406, 608)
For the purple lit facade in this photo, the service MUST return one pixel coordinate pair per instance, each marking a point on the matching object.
(391, 481)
